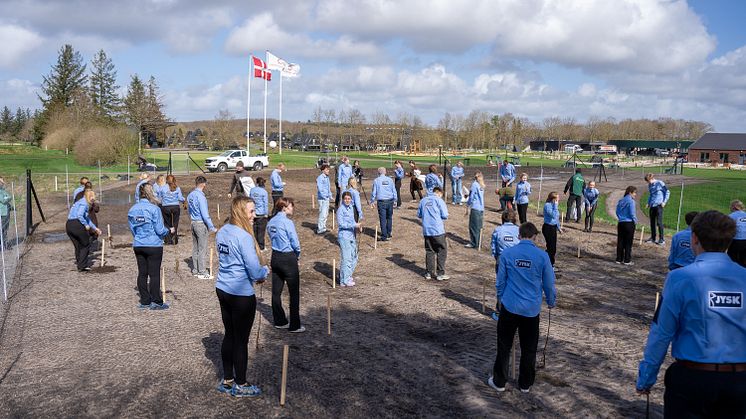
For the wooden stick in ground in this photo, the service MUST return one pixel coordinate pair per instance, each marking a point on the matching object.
(642, 233)
(212, 255)
(334, 219)
(103, 252)
(329, 314)
(578, 250)
(284, 383)
(334, 273)
(108, 233)
(313, 201)
(657, 300)
(218, 215)
(163, 283)
(375, 238)
(481, 233)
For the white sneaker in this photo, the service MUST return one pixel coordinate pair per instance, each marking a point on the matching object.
(204, 276)
(427, 276)
(492, 384)
(442, 277)
(299, 330)
(525, 390)
(284, 326)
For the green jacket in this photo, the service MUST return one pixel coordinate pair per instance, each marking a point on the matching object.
(4, 203)
(575, 184)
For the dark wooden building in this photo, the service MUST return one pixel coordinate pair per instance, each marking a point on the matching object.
(721, 148)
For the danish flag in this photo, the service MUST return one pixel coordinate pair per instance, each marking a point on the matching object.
(260, 69)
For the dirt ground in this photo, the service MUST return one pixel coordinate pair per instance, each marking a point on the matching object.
(75, 345)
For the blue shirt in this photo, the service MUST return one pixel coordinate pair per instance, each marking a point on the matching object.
(740, 218)
(356, 201)
(432, 211)
(590, 196)
(476, 197)
(323, 189)
(522, 191)
(431, 181)
(146, 224)
(681, 249)
(625, 209)
(79, 211)
(158, 191)
(238, 264)
(457, 172)
(78, 190)
(383, 189)
(137, 189)
(282, 234)
(169, 197)
(507, 172)
(261, 200)
(551, 213)
(399, 173)
(701, 315)
(198, 208)
(275, 181)
(503, 237)
(523, 272)
(659, 193)
(346, 223)
(344, 173)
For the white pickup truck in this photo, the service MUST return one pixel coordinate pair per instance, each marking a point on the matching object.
(229, 159)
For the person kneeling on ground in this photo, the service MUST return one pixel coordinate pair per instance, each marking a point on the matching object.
(433, 211)
(240, 267)
(524, 272)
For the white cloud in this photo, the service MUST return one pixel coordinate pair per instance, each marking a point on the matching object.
(16, 43)
(19, 93)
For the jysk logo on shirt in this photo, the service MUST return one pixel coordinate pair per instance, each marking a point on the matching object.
(273, 229)
(725, 299)
(742, 220)
(510, 239)
(224, 249)
(521, 263)
(139, 219)
(685, 245)
(429, 204)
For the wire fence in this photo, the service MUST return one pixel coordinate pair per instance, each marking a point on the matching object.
(13, 234)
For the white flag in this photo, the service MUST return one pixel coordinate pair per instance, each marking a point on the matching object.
(276, 63)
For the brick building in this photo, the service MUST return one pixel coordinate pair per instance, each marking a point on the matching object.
(720, 148)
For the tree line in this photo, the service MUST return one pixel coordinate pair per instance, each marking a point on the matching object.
(16, 125)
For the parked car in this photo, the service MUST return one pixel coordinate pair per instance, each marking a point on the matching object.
(573, 148)
(228, 160)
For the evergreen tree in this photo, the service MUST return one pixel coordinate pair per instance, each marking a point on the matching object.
(136, 103)
(18, 122)
(66, 77)
(6, 120)
(103, 86)
(155, 105)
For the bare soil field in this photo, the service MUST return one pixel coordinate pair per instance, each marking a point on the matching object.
(75, 345)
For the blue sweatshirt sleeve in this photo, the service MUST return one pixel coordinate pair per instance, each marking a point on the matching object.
(373, 192)
(674, 246)
(661, 334)
(205, 213)
(358, 205)
(179, 195)
(547, 281)
(502, 276)
(666, 194)
(159, 228)
(419, 210)
(443, 209)
(293, 236)
(493, 244)
(251, 262)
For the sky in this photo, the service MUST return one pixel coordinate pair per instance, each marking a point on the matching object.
(533, 58)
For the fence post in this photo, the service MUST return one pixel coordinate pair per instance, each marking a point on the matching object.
(128, 170)
(28, 202)
(100, 190)
(67, 187)
(681, 200)
(15, 217)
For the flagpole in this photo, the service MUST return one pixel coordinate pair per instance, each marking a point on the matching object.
(280, 111)
(248, 101)
(265, 113)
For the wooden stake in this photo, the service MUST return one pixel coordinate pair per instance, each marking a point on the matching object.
(176, 265)
(657, 300)
(258, 329)
(329, 314)
(218, 212)
(212, 253)
(578, 250)
(484, 295)
(481, 233)
(163, 282)
(55, 183)
(642, 233)
(334, 219)
(283, 385)
(313, 201)
(375, 238)
(334, 273)
(103, 252)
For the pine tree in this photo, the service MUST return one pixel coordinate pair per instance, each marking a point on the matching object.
(136, 103)
(155, 105)
(6, 120)
(103, 86)
(18, 122)
(65, 78)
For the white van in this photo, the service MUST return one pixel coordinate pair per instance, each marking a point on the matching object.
(573, 148)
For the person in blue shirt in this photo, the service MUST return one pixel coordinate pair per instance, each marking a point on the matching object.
(77, 228)
(590, 199)
(432, 179)
(681, 253)
(475, 205)
(737, 249)
(551, 225)
(201, 227)
(276, 183)
(344, 173)
(457, 175)
(627, 216)
(357, 204)
(240, 268)
(503, 237)
(80, 188)
(144, 178)
(261, 210)
(146, 224)
(171, 199)
(507, 173)
(347, 239)
(159, 186)
(398, 176)
(702, 316)
(657, 200)
(432, 211)
(285, 255)
(522, 193)
(323, 195)
(383, 195)
(524, 273)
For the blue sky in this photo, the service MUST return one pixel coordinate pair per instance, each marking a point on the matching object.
(534, 58)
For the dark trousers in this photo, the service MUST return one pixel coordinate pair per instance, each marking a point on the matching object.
(436, 248)
(285, 269)
(338, 196)
(260, 230)
(737, 252)
(238, 313)
(625, 236)
(171, 219)
(573, 201)
(81, 241)
(703, 394)
(385, 217)
(549, 231)
(528, 338)
(149, 266)
(590, 213)
(275, 196)
(397, 185)
(506, 203)
(656, 220)
(476, 221)
(522, 210)
(415, 186)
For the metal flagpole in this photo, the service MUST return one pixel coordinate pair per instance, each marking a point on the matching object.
(265, 108)
(248, 101)
(280, 112)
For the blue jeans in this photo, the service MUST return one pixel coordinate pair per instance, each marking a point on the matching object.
(348, 259)
(476, 220)
(323, 214)
(456, 187)
(385, 216)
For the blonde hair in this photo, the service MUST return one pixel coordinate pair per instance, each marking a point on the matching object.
(479, 177)
(736, 205)
(146, 192)
(352, 183)
(160, 180)
(89, 195)
(240, 219)
(144, 175)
